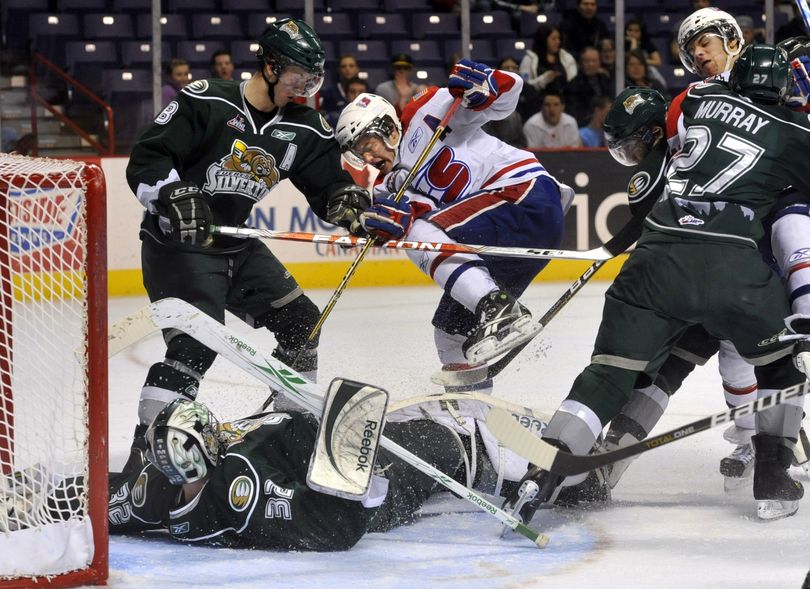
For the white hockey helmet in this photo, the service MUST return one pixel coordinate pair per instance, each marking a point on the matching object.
(368, 114)
(183, 441)
(708, 19)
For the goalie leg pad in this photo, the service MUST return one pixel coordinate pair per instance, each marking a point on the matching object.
(345, 452)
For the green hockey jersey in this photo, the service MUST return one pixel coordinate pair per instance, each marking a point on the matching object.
(209, 135)
(736, 159)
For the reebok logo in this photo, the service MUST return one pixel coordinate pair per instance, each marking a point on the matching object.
(366, 457)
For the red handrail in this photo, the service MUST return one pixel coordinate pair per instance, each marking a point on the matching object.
(38, 58)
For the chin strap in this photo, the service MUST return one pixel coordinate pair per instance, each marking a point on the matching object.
(271, 86)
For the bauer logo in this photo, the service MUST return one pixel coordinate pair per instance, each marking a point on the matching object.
(240, 493)
(45, 219)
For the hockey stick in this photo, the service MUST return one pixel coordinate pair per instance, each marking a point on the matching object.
(599, 253)
(397, 197)
(626, 237)
(177, 314)
(542, 454)
(129, 330)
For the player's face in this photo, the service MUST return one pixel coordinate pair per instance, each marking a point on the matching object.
(709, 55)
(373, 151)
(295, 82)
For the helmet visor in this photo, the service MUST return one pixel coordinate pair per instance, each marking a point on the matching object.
(381, 127)
(630, 150)
(299, 82)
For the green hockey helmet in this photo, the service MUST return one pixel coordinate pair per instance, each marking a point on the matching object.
(292, 42)
(630, 123)
(762, 73)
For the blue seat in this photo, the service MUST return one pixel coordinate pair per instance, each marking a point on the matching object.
(27, 5)
(216, 26)
(657, 23)
(173, 26)
(247, 6)
(435, 25)
(514, 48)
(296, 7)
(82, 5)
(374, 76)
(358, 5)
(369, 53)
(49, 33)
(108, 26)
(198, 53)
(257, 23)
(139, 53)
(491, 25)
(382, 26)
(243, 53)
(337, 26)
(87, 59)
(407, 5)
(431, 76)
(126, 80)
(529, 22)
(192, 6)
(136, 6)
(481, 50)
(129, 92)
(425, 52)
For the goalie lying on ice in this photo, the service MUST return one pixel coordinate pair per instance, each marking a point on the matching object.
(243, 483)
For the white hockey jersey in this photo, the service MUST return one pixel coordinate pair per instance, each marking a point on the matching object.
(466, 159)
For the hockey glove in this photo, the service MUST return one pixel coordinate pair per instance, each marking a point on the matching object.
(387, 219)
(475, 82)
(345, 207)
(801, 82)
(188, 212)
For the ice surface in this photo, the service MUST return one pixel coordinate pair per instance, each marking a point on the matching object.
(670, 524)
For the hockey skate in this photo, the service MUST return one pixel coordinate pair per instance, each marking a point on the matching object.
(504, 324)
(801, 453)
(623, 432)
(776, 493)
(737, 467)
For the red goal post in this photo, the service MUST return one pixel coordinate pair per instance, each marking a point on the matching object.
(53, 373)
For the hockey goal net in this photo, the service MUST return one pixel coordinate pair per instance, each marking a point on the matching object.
(53, 373)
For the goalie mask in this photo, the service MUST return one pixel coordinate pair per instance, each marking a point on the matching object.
(630, 125)
(183, 441)
(295, 55)
(367, 116)
(708, 20)
(762, 73)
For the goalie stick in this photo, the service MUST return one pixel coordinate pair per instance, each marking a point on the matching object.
(177, 314)
(626, 237)
(599, 253)
(542, 454)
(129, 330)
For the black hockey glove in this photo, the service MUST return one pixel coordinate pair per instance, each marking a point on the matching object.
(188, 212)
(345, 206)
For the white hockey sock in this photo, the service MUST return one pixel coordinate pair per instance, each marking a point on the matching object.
(789, 244)
(469, 285)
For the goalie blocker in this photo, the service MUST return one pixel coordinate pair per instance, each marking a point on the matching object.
(348, 438)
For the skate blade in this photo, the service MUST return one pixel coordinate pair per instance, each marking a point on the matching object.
(733, 484)
(771, 509)
(528, 491)
(491, 347)
(460, 378)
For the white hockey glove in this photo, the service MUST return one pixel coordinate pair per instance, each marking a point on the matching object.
(188, 212)
(474, 82)
(346, 205)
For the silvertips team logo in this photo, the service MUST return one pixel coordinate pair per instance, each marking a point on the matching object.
(240, 493)
(249, 171)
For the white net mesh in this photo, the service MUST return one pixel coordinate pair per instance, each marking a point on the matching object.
(43, 364)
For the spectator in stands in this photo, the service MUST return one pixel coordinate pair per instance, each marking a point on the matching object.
(607, 59)
(178, 75)
(547, 66)
(582, 28)
(222, 65)
(593, 134)
(636, 38)
(333, 98)
(749, 33)
(529, 96)
(354, 87)
(399, 89)
(637, 73)
(591, 81)
(552, 127)
(510, 129)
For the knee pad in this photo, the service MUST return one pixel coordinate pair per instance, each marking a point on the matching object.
(672, 374)
(292, 323)
(190, 354)
(779, 374)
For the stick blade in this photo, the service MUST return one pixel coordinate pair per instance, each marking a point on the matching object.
(520, 440)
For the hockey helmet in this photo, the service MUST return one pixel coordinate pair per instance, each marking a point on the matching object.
(368, 114)
(290, 41)
(704, 20)
(183, 441)
(762, 73)
(629, 125)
